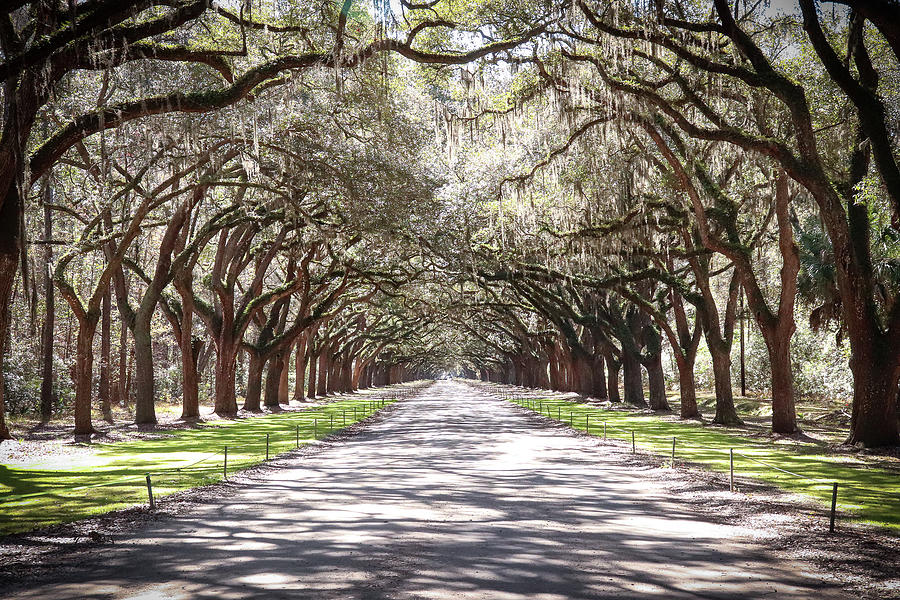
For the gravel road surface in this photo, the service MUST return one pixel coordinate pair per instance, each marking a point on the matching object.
(454, 495)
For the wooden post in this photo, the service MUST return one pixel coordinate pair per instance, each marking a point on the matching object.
(587, 424)
(298, 436)
(343, 418)
(225, 465)
(632, 442)
(315, 429)
(731, 461)
(267, 446)
(673, 450)
(833, 506)
(150, 492)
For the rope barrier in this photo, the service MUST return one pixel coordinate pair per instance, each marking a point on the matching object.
(143, 477)
(816, 481)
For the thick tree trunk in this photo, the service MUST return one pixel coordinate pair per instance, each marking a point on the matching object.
(226, 364)
(555, 383)
(657, 381)
(273, 380)
(254, 383)
(47, 330)
(873, 422)
(582, 374)
(612, 377)
(10, 234)
(300, 370)
(84, 368)
(105, 390)
(687, 388)
(324, 366)
(121, 380)
(311, 386)
(784, 413)
(599, 378)
(144, 404)
(631, 378)
(190, 357)
(190, 388)
(283, 391)
(347, 375)
(726, 413)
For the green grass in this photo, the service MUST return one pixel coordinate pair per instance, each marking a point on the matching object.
(865, 493)
(113, 477)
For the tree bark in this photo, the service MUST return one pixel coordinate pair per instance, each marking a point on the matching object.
(226, 363)
(254, 383)
(324, 364)
(687, 388)
(311, 385)
(105, 390)
(47, 330)
(273, 380)
(300, 369)
(144, 409)
(283, 391)
(190, 356)
(599, 379)
(873, 421)
(726, 414)
(84, 367)
(657, 381)
(10, 236)
(612, 377)
(631, 378)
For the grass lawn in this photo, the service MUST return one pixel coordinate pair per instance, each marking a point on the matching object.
(114, 476)
(865, 493)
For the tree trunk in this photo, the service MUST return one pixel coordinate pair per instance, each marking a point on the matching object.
(582, 374)
(284, 383)
(273, 380)
(311, 386)
(631, 378)
(190, 357)
(784, 413)
(612, 377)
(599, 378)
(726, 414)
(105, 390)
(687, 388)
(10, 235)
(873, 422)
(554, 373)
(226, 363)
(84, 367)
(300, 370)
(47, 391)
(657, 380)
(254, 383)
(144, 409)
(121, 380)
(324, 364)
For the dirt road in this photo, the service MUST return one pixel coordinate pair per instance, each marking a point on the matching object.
(454, 495)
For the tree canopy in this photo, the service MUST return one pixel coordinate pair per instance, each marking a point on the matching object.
(252, 197)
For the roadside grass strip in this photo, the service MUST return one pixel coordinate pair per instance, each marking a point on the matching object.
(865, 493)
(114, 477)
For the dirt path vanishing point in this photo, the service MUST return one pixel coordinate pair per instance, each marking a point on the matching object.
(454, 495)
